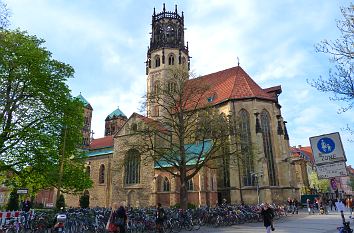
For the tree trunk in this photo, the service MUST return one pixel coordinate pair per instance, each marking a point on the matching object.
(183, 193)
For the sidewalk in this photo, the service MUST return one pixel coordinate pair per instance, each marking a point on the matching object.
(297, 223)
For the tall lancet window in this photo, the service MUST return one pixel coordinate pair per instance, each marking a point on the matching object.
(132, 167)
(268, 147)
(246, 151)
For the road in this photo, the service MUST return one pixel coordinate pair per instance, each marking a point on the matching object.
(302, 223)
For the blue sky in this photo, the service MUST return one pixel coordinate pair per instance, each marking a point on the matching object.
(106, 43)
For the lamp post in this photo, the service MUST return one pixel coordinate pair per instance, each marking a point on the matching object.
(257, 175)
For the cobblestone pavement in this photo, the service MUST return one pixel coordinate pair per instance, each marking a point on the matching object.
(302, 223)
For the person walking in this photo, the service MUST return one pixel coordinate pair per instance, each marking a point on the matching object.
(309, 206)
(268, 216)
(121, 218)
(118, 219)
(160, 218)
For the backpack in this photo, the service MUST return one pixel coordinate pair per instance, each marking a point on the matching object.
(116, 220)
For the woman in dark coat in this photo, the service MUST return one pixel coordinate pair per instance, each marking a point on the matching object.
(268, 216)
(122, 215)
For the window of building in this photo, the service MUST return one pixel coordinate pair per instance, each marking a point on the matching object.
(157, 61)
(190, 185)
(172, 87)
(101, 174)
(157, 87)
(156, 110)
(166, 185)
(171, 59)
(268, 147)
(132, 167)
(88, 170)
(134, 127)
(246, 152)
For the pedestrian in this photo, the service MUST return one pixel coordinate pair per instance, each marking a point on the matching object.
(268, 216)
(351, 207)
(296, 206)
(26, 208)
(309, 206)
(118, 219)
(330, 203)
(160, 218)
(121, 218)
(290, 205)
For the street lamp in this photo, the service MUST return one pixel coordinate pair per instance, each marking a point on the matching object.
(257, 175)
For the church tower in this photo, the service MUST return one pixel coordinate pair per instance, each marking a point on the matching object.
(166, 51)
(86, 130)
(114, 122)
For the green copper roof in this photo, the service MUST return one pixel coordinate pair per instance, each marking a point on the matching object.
(99, 152)
(192, 153)
(83, 100)
(116, 113)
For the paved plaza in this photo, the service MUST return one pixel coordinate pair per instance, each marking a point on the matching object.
(302, 223)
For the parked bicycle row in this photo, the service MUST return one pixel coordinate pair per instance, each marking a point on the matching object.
(138, 219)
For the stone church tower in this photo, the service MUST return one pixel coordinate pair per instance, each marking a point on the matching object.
(114, 122)
(166, 51)
(86, 130)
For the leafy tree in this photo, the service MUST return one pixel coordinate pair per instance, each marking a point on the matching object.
(40, 123)
(340, 80)
(13, 201)
(321, 185)
(4, 15)
(351, 182)
(186, 118)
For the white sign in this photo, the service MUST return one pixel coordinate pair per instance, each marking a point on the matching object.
(327, 148)
(22, 191)
(326, 171)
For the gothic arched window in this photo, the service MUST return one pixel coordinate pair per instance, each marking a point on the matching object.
(190, 185)
(132, 167)
(166, 185)
(157, 87)
(268, 147)
(88, 170)
(171, 59)
(101, 174)
(157, 61)
(247, 158)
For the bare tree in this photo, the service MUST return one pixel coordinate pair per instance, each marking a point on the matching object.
(188, 132)
(4, 15)
(341, 51)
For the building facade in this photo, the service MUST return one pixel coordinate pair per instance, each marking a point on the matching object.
(266, 173)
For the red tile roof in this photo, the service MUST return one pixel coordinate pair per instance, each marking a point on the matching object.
(101, 143)
(296, 152)
(153, 123)
(232, 83)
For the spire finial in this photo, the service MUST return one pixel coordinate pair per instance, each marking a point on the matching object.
(154, 11)
(238, 61)
(164, 8)
(176, 8)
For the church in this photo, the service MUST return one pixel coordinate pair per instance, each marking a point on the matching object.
(120, 174)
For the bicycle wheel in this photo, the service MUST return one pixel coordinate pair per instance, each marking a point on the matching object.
(196, 224)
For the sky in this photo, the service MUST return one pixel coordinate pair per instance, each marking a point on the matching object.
(106, 43)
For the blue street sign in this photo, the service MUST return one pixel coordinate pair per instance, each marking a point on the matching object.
(326, 145)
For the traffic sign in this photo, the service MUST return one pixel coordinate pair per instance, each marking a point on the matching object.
(331, 170)
(327, 148)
